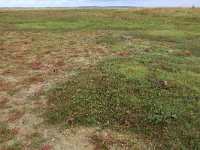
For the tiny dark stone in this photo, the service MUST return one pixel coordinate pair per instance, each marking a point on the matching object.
(163, 84)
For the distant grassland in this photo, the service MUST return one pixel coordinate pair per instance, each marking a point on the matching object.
(178, 26)
(126, 92)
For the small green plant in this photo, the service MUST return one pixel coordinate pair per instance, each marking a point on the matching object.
(17, 145)
(109, 39)
(2, 66)
(5, 133)
(158, 116)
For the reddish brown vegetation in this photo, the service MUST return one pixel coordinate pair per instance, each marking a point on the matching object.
(5, 86)
(32, 135)
(187, 53)
(15, 131)
(35, 79)
(106, 141)
(124, 53)
(3, 103)
(45, 147)
(36, 65)
(15, 116)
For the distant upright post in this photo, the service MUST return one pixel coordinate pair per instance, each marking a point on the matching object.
(36, 5)
(193, 6)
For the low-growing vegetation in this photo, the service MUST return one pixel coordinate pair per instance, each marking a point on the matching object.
(146, 93)
(6, 134)
(132, 71)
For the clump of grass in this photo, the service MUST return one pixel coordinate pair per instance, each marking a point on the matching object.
(106, 142)
(36, 140)
(117, 94)
(2, 66)
(5, 133)
(138, 45)
(17, 145)
(192, 45)
(124, 47)
(109, 39)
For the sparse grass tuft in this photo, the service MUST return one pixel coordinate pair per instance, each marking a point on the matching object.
(5, 133)
(106, 142)
(2, 66)
(109, 39)
(192, 45)
(36, 140)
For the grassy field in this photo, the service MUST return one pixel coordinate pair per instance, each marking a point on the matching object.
(135, 71)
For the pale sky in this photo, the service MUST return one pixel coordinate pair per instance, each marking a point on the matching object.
(75, 3)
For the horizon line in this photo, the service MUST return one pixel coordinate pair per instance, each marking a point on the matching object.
(105, 7)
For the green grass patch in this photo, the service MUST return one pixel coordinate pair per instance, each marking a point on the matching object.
(124, 93)
(2, 65)
(125, 46)
(108, 39)
(71, 24)
(130, 70)
(192, 45)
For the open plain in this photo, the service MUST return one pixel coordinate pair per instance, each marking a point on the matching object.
(84, 79)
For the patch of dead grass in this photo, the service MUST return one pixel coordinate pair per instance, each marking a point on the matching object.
(4, 103)
(106, 140)
(16, 115)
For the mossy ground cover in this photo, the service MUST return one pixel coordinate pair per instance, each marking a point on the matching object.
(124, 93)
